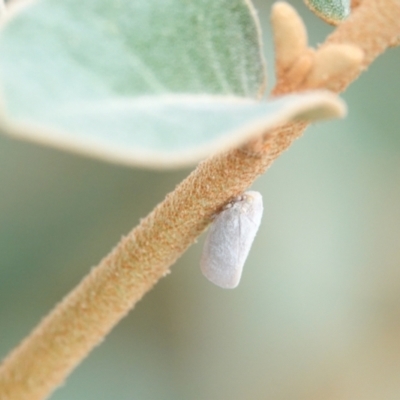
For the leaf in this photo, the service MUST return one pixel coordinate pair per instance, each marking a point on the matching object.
(156, 83)
(197, 126)
(331, 11)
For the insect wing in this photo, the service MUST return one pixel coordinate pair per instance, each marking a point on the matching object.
(229, 240)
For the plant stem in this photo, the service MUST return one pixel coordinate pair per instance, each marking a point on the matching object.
(372, 28)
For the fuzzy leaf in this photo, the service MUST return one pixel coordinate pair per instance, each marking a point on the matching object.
(331, 11)
(157, 83)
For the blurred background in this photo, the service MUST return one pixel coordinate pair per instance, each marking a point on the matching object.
(317, 313)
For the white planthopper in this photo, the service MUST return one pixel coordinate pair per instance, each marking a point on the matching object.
(229, 240)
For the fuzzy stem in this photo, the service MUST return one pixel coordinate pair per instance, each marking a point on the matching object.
(82, 320)
(373, 27)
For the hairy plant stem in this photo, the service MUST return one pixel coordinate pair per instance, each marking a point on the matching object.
(81, 321)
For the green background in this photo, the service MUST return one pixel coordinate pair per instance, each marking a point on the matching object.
(317, 312)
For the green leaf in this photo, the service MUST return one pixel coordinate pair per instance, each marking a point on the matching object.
(157, 83)
(331, 11)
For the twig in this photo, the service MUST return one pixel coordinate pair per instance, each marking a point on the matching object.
(82, 320)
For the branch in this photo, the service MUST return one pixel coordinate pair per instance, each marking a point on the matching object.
(82, 320)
